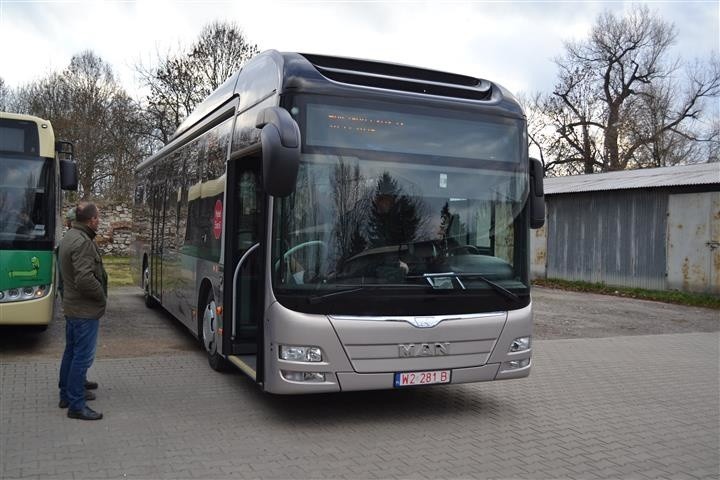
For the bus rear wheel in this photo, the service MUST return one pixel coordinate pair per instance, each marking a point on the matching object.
(209, 335)
(149, 300)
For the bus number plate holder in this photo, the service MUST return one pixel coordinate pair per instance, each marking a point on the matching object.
(431, 377)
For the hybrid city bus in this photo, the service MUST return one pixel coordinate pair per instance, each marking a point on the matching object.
(334, 224)
(33, 170)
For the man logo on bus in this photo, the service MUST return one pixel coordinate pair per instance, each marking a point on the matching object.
(423, 349)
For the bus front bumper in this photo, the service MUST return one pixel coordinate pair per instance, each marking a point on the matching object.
(381, 381)
(353, 381)
(28, 312)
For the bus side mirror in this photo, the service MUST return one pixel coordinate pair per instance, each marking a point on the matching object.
(537, 194)
(280, 139)
(68, 175)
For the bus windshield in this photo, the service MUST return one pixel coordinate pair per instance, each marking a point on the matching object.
(403, 198)
(26, 203)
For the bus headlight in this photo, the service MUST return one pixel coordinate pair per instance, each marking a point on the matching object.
(296, 353)
(24, 293)
(520, 344)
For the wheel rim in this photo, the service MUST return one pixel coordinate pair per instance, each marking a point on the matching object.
(209, 325)
(146, 281)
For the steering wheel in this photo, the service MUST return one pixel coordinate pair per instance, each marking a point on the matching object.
(288, 255)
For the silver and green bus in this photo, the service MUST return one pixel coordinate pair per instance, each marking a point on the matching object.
(332, 224)
(32, 174)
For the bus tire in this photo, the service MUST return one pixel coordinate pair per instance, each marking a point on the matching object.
(150, 301)
(207, 332)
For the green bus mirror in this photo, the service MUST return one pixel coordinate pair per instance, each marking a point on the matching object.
(68, 175)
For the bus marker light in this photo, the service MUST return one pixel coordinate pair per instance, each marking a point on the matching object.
(219, 310)
(303, 376)
(515, 364)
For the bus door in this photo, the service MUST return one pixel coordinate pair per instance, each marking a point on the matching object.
(159, 204)
(244, 251)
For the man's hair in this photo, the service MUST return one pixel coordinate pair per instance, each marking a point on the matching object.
(85, 211)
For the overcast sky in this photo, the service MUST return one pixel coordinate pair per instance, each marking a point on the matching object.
(512, 43)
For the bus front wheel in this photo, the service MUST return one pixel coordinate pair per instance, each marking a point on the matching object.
(209, 335)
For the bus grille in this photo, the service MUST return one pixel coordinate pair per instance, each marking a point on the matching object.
(394, 345)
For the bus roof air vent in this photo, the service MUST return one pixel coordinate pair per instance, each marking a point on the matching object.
(400, 77)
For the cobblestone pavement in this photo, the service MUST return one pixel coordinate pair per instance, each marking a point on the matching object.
(619, 407)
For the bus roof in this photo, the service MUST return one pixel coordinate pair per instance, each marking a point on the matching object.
(272, 72)
(46, 136)
(283, 71)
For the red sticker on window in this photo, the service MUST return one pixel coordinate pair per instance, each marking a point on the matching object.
(217, 220)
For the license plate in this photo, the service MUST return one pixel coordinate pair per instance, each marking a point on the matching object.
(406, 379)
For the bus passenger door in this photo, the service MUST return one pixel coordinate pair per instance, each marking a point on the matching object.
(245, 227)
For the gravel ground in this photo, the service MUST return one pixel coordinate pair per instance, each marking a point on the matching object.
(131, 330)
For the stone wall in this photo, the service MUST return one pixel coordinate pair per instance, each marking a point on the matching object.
(115, 232)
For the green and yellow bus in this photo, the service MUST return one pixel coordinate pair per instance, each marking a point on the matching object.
(33, 171)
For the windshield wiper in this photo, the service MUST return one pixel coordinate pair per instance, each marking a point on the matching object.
(457, 276)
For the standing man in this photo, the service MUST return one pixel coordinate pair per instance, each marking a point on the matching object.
(84, 299)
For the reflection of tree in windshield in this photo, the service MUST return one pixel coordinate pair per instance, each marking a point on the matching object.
(349, 198)
(394, 216)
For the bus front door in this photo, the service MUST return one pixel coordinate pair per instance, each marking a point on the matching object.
(245, 227)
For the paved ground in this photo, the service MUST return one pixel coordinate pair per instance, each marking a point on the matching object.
(634, 406)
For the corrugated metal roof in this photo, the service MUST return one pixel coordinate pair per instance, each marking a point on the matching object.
(698, 174)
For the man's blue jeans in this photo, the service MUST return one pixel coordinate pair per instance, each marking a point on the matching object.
(80, 342)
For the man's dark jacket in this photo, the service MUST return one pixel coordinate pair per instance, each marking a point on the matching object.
(84, 278)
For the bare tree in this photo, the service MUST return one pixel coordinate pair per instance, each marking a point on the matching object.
(88, 107)
(608, 108)
(180, 80)
(4, 95)
(173, 94)
(220, 51)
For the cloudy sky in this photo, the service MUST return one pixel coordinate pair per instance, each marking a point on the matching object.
(512, 43)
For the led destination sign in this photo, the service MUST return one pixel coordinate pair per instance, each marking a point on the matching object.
(410, 133)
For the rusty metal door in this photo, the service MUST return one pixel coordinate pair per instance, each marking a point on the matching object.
(693, 258)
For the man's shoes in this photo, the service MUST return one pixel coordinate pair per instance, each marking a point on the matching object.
(86, 413)
(88, 396)
(90, 385)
